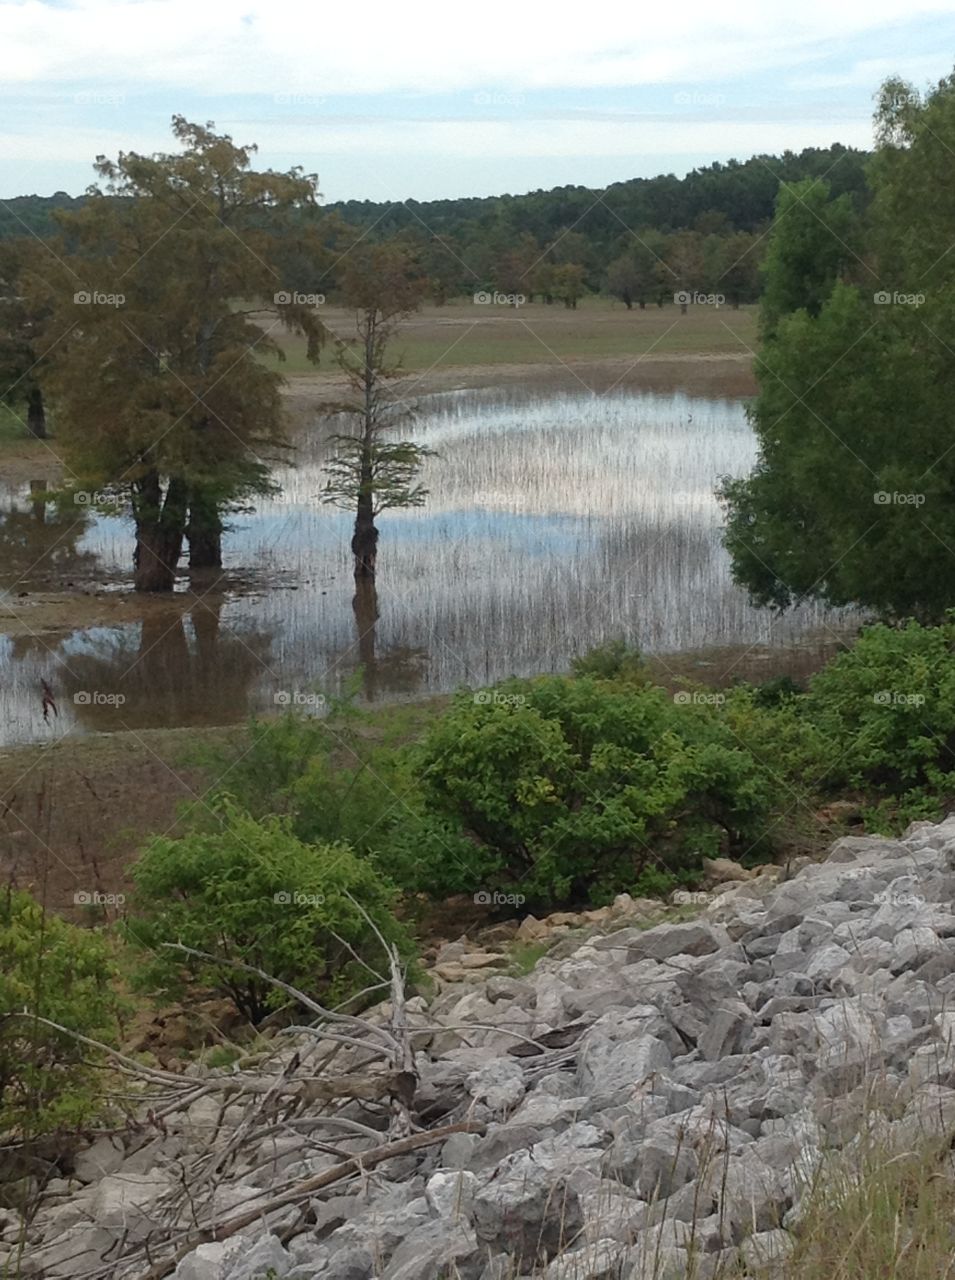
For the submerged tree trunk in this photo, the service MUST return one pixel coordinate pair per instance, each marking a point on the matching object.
(204, 531)
(364, 543)
(160, 526)
(36, 414)
(365, 608)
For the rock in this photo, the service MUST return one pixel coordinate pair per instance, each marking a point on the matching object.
(725, 1031)
(450, 1194)
(103, 1157)
(600, 1261)
(499, 1083)
(265, 1257)
(605, 1068)
(437, 1248)
(723, 870)
(523, 1209)
(766, 1248)
(532, 930)
(691, 938)
(123, 1203)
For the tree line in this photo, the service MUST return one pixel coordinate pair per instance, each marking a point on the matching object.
(640, 241)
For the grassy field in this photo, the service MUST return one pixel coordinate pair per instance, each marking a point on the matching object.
(465, 334)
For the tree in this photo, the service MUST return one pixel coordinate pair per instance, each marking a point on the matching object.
(684, 257)
(163, 397)
(369, 472)
(567, 283)
(738, 272)
(852, 500)
(636, 275)
(808, 250)
(20, 349)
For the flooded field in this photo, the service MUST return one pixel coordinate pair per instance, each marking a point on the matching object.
(555, 522)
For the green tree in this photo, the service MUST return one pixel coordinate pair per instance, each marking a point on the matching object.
(370, 472)
(567, 283)
(21, 349)
(852, 499)
(159, 383)
(810, 248)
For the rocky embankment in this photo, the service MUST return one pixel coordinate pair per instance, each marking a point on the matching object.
(648, 1103)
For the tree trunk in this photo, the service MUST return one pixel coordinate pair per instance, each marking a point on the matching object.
(364, 543)
(365, 608)
(204, 532)
(160, 525)
(36, 414)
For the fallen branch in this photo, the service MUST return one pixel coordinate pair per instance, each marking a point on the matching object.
(357, 1164)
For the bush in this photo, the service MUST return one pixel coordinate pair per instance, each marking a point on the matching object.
(58, 971)
(615, 660)
(249, 890)
(333, 782)
(886, 710)
(565, 789)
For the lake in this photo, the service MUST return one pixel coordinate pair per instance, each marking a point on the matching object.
(555, 522)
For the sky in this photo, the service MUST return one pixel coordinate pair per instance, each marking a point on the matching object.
(388, 100)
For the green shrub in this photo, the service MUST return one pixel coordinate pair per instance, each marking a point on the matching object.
(333, 783)
(564, 789)
(249, 890)
(886, 710)
(58, 971)
(615, 660)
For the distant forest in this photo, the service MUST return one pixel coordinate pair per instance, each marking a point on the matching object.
(639, 240)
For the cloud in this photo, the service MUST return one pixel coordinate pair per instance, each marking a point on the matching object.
(218, 47)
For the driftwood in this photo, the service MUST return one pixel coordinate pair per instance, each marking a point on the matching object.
(227, 1227)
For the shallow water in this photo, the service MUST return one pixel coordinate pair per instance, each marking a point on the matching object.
(554, 523)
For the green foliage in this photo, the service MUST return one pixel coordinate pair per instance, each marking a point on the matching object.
(809, 247)
(852, 499)
(248, 890)
(615, 660)
(567, 789)
(55, 970)
(887, 709)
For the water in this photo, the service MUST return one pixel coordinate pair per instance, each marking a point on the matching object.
(554, 523)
